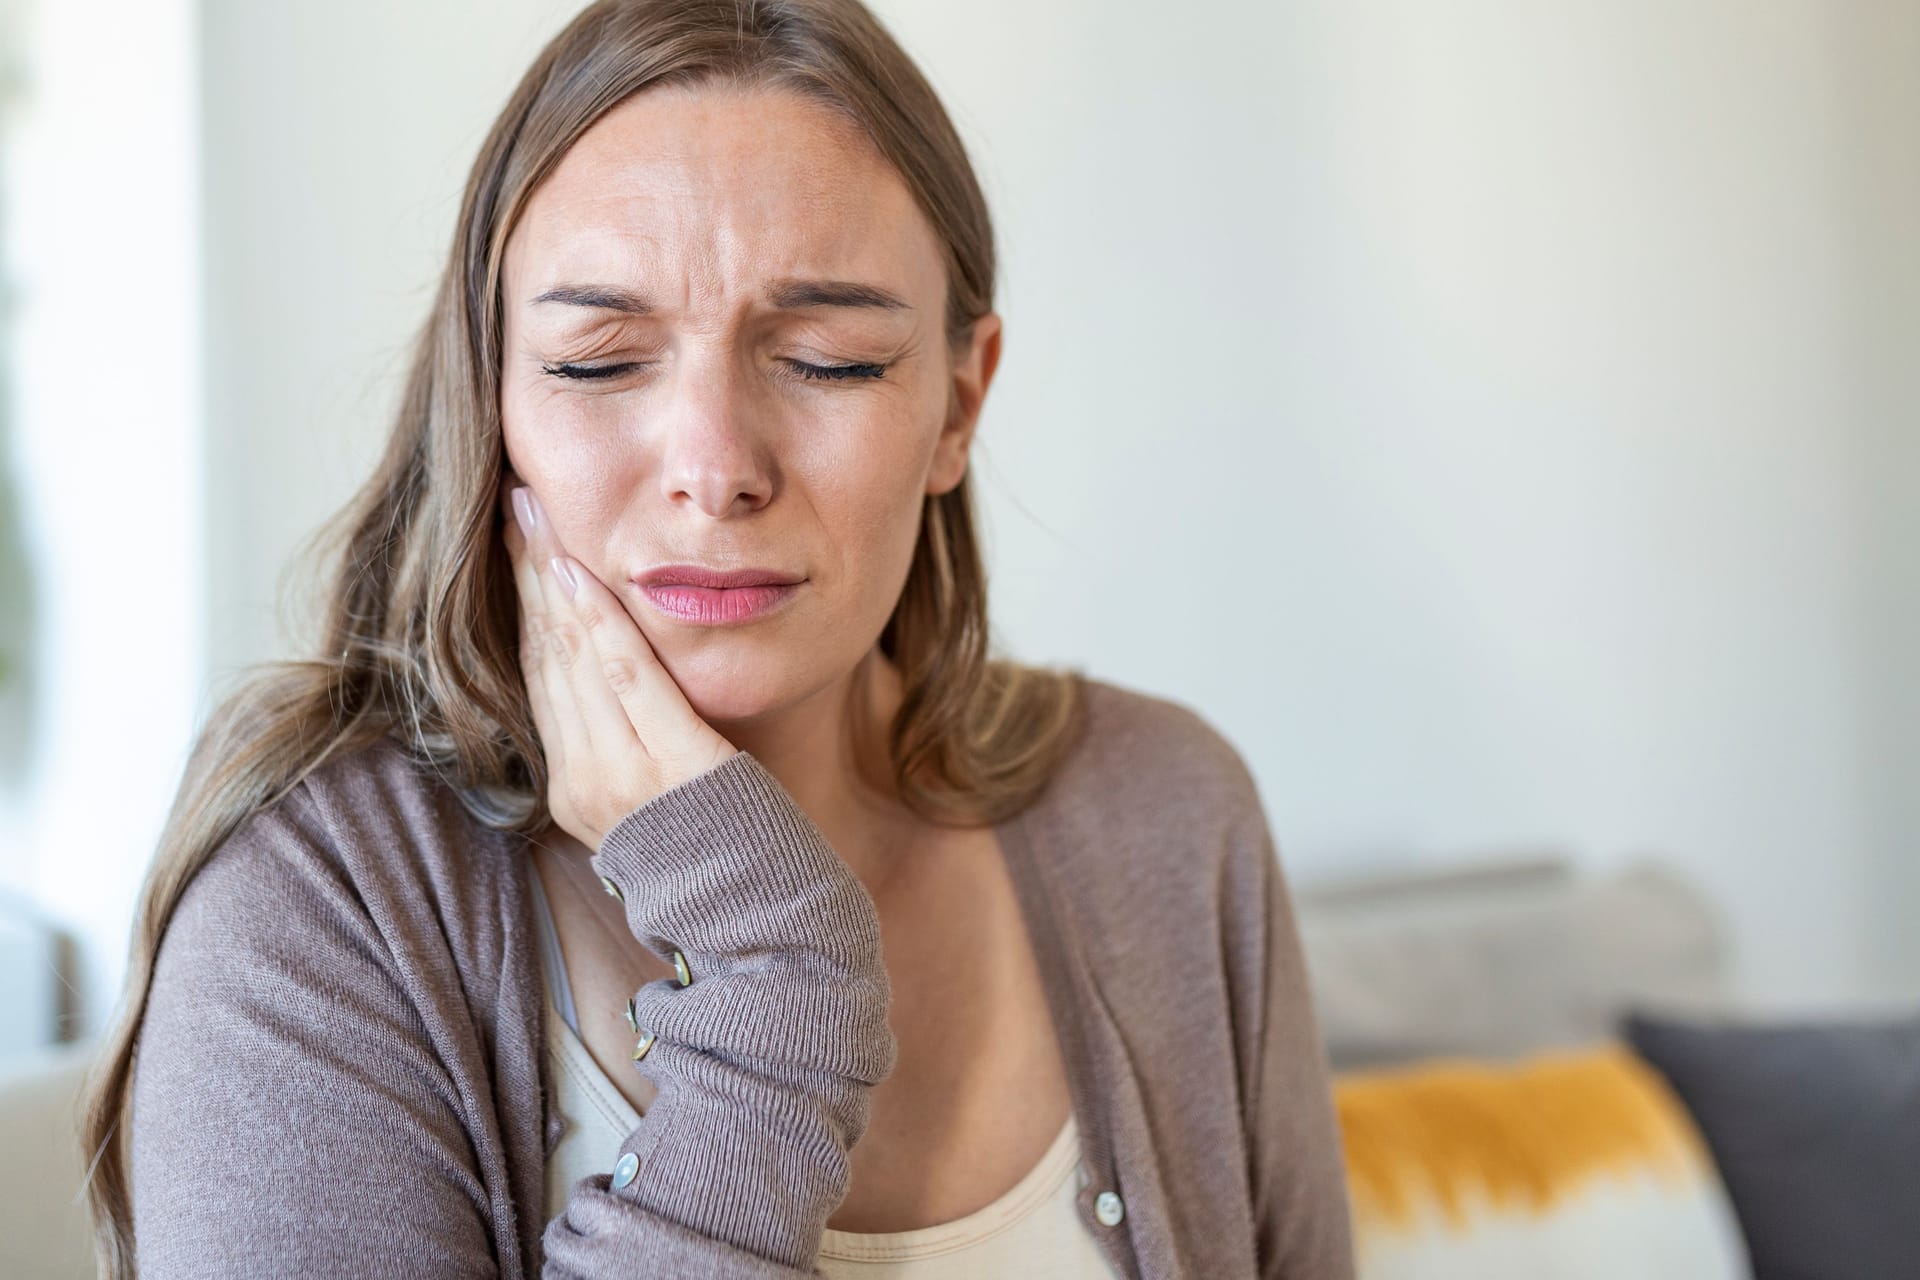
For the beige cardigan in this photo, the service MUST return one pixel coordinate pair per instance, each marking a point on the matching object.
(341, 1070)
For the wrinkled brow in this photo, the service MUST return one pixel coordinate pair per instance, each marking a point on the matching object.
(787, 295)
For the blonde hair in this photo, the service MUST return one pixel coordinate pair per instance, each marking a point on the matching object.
(420, 621)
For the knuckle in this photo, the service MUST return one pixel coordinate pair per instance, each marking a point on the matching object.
(565, 642)
(621, 673)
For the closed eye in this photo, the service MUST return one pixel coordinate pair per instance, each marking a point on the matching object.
(837, 372)
(584, 370)
(811, 372)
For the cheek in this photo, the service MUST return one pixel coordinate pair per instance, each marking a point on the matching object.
(534, 450)
(576, 488)
(876, 523)
(544, 434)
(870, 486)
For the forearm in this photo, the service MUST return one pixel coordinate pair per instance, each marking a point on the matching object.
(765, 1063)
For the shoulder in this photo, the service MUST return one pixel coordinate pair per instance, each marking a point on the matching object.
(1158, 832)
(342, 940)
(1154, 811)
(370, 847)
(1160, 750)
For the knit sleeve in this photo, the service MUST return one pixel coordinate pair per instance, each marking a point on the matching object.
(1302, 1218)
(764, 1063)
(292, 1113)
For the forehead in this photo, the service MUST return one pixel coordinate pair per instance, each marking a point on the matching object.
(719, 184)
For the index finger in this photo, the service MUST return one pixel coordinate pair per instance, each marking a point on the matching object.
(655, 705)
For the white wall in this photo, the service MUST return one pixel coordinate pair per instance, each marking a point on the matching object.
(338, 138)
(1882, 162)
(1498, 418)
(103, 464)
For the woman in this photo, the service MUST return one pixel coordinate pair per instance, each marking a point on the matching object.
(584, 913)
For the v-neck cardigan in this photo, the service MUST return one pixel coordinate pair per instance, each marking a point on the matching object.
(341, 1070)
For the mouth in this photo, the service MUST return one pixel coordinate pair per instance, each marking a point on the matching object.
(713, 598)
(693, 575)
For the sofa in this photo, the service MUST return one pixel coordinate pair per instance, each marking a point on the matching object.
(1545, 1074)
(44, 1230)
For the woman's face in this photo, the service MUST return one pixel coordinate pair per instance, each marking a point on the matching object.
(696, 248)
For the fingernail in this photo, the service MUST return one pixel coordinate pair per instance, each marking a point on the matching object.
(523, 510)
(564, 571)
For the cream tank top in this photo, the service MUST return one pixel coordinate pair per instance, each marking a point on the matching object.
(1031, 1231)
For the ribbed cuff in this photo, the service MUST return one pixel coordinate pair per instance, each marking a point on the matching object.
(765, 1063)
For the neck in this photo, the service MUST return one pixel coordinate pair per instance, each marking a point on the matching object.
(811, 748)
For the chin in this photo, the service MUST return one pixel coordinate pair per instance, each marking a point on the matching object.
(729, 687)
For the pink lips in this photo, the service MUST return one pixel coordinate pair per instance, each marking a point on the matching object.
(713, 598)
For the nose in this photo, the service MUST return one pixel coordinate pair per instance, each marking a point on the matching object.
(715, 453)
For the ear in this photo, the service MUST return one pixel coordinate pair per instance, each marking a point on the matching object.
(972, 371)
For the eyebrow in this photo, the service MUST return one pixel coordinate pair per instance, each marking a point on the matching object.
(787, 295)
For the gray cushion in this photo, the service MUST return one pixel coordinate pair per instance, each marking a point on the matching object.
(1816, 1129)
(1499, 962)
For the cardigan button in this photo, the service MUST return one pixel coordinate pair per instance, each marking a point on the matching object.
(1108, 1209)
(680, 970)
(613, 890)
(646, 1043)
(624, 1171)
(633, 1015)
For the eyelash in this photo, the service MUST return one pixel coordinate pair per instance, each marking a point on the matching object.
(809, 372)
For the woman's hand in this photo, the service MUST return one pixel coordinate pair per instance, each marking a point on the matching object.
(615, 728)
